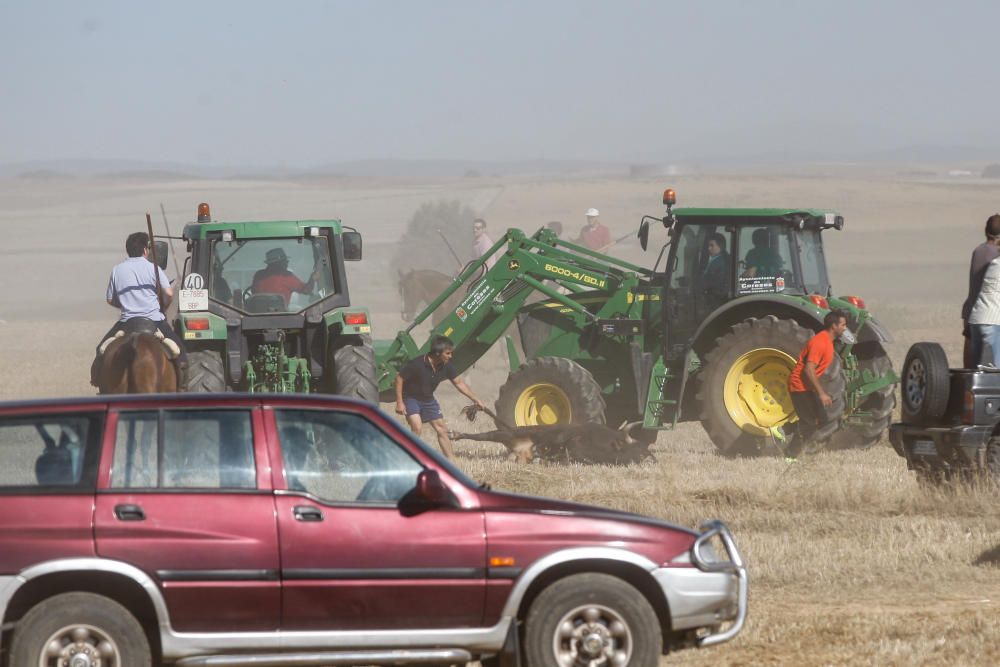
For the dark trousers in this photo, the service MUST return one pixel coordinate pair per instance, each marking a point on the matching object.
(807, 407)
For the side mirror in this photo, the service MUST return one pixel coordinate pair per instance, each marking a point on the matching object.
(644, 234)
(162, 249)
(352, 246)
(430, 489)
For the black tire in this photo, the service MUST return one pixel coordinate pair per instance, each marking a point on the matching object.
(879, 405)
(206, 372)
(571, 600)
(354, 371)
(993, 460)
(572, 389)
(769, 332)
(925, 384)
(103, 619)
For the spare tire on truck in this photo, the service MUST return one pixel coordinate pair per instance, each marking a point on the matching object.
(926, 384)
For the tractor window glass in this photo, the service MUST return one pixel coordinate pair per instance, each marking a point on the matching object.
(191, 449)
(686, 257)
(814, 276)
(272, 275)
(342, 457)
(49, 452)
(766, 262)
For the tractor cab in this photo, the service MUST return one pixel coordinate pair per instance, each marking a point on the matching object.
(715, 256)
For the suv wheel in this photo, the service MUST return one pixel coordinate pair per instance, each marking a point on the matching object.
(592, 619)
(80, 628)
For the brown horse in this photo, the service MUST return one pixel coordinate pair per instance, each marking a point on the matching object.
(422, 286)
(137, 363)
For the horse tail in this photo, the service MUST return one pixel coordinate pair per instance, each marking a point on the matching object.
(126, 357)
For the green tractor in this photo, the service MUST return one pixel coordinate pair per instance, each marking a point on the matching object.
(264, 307)
(712, 336)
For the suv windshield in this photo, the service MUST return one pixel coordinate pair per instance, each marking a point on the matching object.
(271, 275)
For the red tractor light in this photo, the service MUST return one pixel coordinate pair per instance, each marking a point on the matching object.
(196, 323)
(669, 197)
(820, 301)
(855, 301)
(204, 214)
(356, 318)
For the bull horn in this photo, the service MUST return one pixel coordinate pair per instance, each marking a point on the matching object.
(627, 428)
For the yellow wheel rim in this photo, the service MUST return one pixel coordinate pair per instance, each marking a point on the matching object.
(542, 405)
(756, 390)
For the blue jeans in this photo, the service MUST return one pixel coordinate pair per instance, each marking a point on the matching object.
(985, 342)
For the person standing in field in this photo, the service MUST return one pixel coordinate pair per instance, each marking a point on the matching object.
(982, 256)
(594, 235)
(415, 386)
(804, 387)
(984, 319)
(481, 242)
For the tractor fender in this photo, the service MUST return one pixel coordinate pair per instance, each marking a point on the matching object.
(346, 321)
(790, 307)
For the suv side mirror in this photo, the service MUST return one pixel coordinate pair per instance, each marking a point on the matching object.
(431, 489)
(352, 246)
(162, 249)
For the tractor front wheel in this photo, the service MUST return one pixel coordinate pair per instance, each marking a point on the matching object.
(744, 387)
(354, 371)
(550, 390)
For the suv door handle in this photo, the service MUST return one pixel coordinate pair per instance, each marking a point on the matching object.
(129, 513)
(307, 513)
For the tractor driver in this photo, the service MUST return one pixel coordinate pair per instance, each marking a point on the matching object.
(762, 260)
(132, 288)
(275, 278)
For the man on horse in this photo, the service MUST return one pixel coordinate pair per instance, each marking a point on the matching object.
(136, 288)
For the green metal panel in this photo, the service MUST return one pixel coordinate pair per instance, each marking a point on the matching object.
(216, 330)
(692, 214)
(259, 229)
(334, 321)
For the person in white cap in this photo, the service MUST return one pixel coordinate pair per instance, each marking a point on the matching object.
(594, 235)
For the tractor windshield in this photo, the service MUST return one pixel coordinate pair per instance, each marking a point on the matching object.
(776, 257)
(813, 261)
(271, 275)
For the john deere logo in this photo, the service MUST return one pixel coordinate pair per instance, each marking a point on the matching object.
(513, 265)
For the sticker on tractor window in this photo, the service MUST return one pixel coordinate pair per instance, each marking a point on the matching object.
(779, 284)
(194, 281)
(462, 315)
(192, 299)
(760, 285)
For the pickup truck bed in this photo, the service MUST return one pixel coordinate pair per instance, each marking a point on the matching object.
(950, 417)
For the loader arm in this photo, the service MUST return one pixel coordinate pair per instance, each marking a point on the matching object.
(593, 290)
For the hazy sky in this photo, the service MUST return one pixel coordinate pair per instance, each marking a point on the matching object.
(308, 83)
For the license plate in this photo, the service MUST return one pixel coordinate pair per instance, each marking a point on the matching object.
(924, 448)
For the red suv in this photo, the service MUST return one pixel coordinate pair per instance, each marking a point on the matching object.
(301, 530)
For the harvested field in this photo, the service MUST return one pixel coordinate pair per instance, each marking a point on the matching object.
(851, 561)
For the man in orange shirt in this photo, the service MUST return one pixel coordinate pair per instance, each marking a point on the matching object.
(807, 394)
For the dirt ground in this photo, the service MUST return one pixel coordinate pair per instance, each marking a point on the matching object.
(851, 562)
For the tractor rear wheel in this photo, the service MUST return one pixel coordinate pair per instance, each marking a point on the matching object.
(354, 371)
(206, 372)
(744, 386)
(550, 390)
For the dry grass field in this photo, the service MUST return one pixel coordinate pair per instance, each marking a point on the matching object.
(851, 562)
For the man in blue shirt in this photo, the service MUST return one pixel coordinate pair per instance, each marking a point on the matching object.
(132, 289)
(415, 385)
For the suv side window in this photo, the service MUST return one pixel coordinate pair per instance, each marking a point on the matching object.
(341, 457)
(49, 452)
(189, 449)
